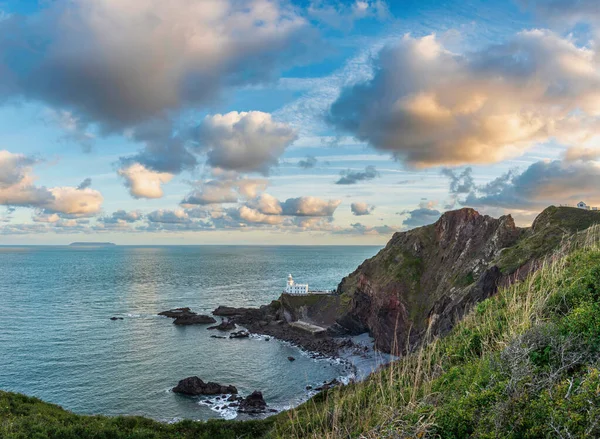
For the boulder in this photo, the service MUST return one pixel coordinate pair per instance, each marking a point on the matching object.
(291, 358)
(253, 403)
(177, 312)
(194, 319)
(225, 325)
(195, 386)
(239, 334)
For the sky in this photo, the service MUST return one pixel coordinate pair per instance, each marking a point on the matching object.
(290, 122)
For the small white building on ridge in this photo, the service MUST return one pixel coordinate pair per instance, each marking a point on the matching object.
(294, 288)
(582, 205)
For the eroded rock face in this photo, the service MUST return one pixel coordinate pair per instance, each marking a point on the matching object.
(425, 279)
(253, 403)
(195, 386)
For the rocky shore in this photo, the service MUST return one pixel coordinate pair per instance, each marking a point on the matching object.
(270, 320)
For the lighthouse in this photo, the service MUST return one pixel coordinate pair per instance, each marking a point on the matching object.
(294, 288)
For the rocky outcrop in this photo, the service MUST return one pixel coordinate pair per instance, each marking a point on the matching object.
(425, 279)
(177, 312)
(185, 316)
(253, 403)
(239, 334)
(270, 320)
(225, 325)
(195, 386)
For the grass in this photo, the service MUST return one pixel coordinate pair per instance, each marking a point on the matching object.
(22, 417)
(522, 364)
(546, 234)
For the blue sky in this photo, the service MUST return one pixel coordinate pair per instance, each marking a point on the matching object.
(277, 122)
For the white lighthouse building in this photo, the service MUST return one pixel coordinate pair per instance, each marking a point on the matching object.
(294, 288)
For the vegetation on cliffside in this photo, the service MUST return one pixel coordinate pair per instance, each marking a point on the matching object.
(522, 364)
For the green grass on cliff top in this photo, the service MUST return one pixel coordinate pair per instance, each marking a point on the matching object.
(548, 231)
(523, 364)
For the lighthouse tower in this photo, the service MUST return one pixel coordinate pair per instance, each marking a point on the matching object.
(294, 288)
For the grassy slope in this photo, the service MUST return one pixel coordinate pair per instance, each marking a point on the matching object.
(523, 364)
(546, 234)
(23, 417)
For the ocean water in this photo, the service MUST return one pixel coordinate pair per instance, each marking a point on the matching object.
(57, 341)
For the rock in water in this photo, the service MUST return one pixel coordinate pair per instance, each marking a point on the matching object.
(253, 403)
(239, 334)
(195, 386)
(177, 312)
(196, 319)
(225, 325)
(291, 359)
(116, 318)
(185, 316)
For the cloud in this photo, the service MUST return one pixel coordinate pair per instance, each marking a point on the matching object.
(361, 229)
(428, 106)
(14, 167)
(577, 153)
(249, 215)
(423, 215)
(247, 141)
(178, 216)
(74, 201)
(266, 204)
(85, 184)
(227, 190)
(122, 216)
(143, 182)
(461, 182)
(119, 64)
(542, 184)
(17, 188)
(360, 209)
(353, 177)
(340, 15)
(309, 206)
(301, 206)
(308, 163)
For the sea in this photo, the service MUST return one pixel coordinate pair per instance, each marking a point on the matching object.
(57, 341)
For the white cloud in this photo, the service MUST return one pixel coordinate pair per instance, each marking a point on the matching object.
(121, 63)
(143, 182)
(428, 106)
(246, 142)
(226, 188)
(360, 208)
(17, 188)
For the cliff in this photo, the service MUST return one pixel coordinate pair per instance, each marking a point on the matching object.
(425, 280)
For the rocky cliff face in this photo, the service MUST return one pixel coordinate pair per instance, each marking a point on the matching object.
(427, 278)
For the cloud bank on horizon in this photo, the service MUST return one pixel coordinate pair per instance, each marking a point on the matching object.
(284, 121)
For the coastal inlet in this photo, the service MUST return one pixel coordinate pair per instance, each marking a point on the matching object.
(57, 302)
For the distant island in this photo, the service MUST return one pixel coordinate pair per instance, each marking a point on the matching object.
(92, 244)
